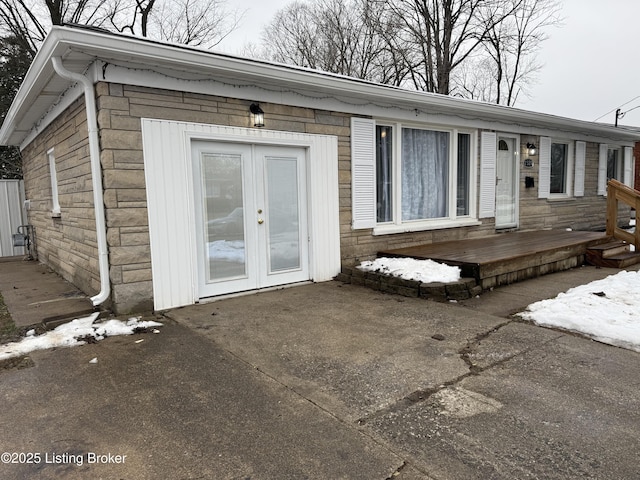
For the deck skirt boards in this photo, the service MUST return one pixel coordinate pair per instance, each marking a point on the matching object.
(509, 257)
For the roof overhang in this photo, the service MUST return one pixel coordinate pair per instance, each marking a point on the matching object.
(81, 48)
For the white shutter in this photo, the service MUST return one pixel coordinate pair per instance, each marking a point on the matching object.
(544, 169)
(602, 169)
(628, 167)
(363, 173)
(488, 155)
(581, 154)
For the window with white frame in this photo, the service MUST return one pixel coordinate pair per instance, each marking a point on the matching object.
(614, 164)
(561, 173)
(561, 168)
(55, 204)
(422, 174)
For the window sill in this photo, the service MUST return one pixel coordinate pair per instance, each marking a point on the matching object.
(424, 226)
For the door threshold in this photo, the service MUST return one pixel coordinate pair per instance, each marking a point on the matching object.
(251, 292)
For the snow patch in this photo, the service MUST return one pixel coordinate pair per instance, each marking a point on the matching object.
(425, 271)
(606, 310)
(73, 333)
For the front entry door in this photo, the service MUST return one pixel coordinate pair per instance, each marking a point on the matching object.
(251, 225)
(506, 183)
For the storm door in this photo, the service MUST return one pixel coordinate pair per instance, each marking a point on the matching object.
(506, 183)
(251, 216)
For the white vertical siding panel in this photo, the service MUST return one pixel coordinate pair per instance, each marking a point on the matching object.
(324, 198)
(11, 216)
(581, 153)
(488, 156)
(168, 206)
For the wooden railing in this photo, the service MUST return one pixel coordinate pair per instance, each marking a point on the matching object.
(619, 192)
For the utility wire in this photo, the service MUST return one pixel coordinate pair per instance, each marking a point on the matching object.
(615, 109)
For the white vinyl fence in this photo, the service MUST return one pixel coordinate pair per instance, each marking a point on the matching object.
(11, 215)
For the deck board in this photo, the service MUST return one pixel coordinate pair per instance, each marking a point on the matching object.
(503, 253)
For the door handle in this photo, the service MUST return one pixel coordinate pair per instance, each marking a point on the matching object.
(260, 221)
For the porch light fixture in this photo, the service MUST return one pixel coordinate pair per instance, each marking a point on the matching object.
(531, 149)
(258, 115)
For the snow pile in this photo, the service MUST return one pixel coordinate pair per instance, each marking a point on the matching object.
(606, 310)
(425, 271)
(72, 334)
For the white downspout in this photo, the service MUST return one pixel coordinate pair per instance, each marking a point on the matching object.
(96, 176)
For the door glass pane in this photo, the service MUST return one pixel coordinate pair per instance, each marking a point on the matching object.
(282, 216)
(223, 212)
(505, 185)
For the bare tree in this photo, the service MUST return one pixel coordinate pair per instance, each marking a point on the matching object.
(348, 37)
(190, 22)
(481, 49)
(445, 33)
(193, 22)
(512, 46)
(29, 20)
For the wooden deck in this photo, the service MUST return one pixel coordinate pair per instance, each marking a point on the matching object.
(508, 257)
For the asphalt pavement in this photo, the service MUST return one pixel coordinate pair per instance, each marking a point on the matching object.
(329, 381)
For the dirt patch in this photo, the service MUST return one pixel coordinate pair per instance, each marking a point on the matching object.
(8, 330)
(16, 363)
(10, 333)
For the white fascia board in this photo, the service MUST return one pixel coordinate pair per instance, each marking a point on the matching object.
(355, 96)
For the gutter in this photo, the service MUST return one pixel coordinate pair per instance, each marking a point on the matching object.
(96, 176)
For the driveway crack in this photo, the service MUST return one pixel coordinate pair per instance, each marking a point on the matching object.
(465, 353)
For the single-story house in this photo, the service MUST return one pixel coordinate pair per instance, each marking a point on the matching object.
(157, 175)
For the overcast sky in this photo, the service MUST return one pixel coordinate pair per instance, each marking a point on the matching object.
(591, 63)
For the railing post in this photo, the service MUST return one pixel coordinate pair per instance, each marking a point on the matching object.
(618, 191)
(612, 209)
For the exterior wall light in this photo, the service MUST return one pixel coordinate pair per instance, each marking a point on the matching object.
(258, 115)
(531, 149)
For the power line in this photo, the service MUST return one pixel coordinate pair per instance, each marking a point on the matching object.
(618, 108)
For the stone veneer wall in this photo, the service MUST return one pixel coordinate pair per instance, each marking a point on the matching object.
(120, 109)
(578, 213)
(69, 246)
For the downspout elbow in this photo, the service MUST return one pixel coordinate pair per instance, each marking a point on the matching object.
(96, 176)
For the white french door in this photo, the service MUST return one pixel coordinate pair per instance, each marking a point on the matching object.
(251, 216)
(507, 183)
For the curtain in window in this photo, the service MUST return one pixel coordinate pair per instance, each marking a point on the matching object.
(425, 174)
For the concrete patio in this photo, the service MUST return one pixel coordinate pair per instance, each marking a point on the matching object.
(335, 381)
